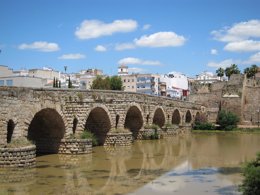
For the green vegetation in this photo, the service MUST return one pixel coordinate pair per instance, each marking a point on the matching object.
(220, 72)
(88, 135)
(251, 173)
(169, 126)
(107, 83)
(155, 134)
(56, 83)
(19, 142)
(233, 69)
(70, 84)
(85, 135)
(251, 71)
(227, 120)
(201, 123)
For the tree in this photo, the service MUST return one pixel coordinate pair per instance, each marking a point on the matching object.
(220, 72)
(251, 71)
(251, 173)
(233, 69)
(227, 120)
(54, 82)
(116, 83)
(70, 84)
(101, 83)
(59, 84)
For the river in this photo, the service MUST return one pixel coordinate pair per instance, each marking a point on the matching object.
(198, 163)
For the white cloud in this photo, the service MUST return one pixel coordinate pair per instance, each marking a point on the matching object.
(243, 46)
(146, 26)
(160, 39)
(40, 46)
(90, 29)
(136, 70)
(214, 52)
(222, 64)
(238, 32)
(138, 61)
(100, 48)
(124, 46)
(253, 59)
(72, 56)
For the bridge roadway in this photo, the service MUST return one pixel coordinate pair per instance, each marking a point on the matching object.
(48, 115)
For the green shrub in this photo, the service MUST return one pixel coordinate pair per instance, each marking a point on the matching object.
(204, 126)
(227, 120)
(119, 130)
(152, 126)
(88, 135)
(251, 173)
(19, 142)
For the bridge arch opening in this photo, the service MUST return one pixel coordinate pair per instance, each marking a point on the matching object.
(176, 117)
(99, 124)
(188, 117)
(46, 130)
(117, 120)
(159, 118)
(74, 125)
(197, 117)
(134, 120)
(10, 130)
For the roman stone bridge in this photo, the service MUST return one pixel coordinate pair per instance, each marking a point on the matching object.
(48, 115)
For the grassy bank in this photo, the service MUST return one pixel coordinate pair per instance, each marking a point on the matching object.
(236, 130)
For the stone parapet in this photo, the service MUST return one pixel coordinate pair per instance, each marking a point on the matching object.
(75, 146)
(18, 157)
(119, 139)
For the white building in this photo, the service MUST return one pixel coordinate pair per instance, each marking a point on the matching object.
(176, 84)
(207, 77)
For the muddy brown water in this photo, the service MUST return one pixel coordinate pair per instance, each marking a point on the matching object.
(198, 163)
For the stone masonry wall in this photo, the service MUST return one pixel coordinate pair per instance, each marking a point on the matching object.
(18, 157)
(21, 105)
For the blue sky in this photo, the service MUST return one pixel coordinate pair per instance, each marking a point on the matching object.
(156, 36)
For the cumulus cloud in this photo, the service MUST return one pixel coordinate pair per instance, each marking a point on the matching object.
(90, 29)
(124, 46)
(136, 70)
(222, 64)
(214, 52)
(40, 46)
(253, 59)
(72, 56)
(243, 46)
(160, 39)
(138, 61)
(238, 32)
(100, 48)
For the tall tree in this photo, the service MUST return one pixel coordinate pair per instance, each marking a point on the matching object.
(220, 72)
(70, 83)
(233, 69)
(251, 71)
(59, 84)
(54, 82)
(116, 83)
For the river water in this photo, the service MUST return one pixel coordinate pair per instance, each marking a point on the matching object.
(197, 163)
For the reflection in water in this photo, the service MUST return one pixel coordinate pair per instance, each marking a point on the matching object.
(202, 163)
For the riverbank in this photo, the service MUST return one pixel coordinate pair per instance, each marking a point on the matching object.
(236, 130)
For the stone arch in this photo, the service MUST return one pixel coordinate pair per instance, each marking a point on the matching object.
(98, 122)
(197, 116)
(134, 119)
(159, 117)
(46, 130)
(188, 117)
(176, 117)
(10, 130)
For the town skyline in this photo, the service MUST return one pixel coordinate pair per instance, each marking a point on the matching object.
(149, 37)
